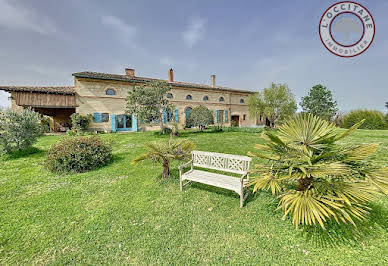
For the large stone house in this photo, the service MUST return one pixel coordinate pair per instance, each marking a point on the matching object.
(103, 95)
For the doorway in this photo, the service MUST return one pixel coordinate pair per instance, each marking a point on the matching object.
(124, 123)
(235, 119)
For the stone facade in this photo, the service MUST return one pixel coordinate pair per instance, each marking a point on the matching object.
(103, 95)
(91, 98)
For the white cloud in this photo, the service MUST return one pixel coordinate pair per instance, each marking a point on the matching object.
(119, 25)
(194, 31)
(17, 17)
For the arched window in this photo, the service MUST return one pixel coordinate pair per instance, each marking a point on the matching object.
(170, 96)
(241, 100)
(221, 99)
(205, 98)
(187, 111)
(110, 92)
(188, 97)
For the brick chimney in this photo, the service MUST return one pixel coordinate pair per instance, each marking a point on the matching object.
(171, 75)
(213, 80)
(130, 72)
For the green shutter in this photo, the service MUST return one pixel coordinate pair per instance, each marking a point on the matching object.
(218, 115)
(226, 116)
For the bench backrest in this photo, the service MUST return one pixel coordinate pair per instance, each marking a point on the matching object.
(219, 161)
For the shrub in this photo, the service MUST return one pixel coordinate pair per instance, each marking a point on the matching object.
(315, 178)
(45, 122)
(373, 119)
(19, 130)
(78, 154)
(200, 117)
(80, 122)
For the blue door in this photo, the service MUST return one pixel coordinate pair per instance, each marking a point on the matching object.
(124, 123)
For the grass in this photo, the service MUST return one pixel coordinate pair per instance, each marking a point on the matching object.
(125, 213)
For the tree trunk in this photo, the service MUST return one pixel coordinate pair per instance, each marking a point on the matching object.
(162, 130)
(166, 168)
(304, 183)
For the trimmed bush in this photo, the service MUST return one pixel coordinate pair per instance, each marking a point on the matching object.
(200, 117)
(80, 122)
(78, 154)
(373, 119)
(19, 130)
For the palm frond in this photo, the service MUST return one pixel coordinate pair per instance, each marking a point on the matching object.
(349, 131)
(359, 152)
(267, 181)
(379, 179)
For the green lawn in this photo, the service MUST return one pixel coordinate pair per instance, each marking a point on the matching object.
(123, 213)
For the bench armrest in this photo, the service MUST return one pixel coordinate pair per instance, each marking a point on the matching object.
(243, 176)
(185, 165)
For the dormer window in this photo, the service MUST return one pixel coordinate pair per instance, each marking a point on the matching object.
(110, 92)
(241, 100)
(188, 97)
(205, 98)
(221, 99)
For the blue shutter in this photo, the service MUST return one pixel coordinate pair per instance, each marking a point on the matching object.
(164, 116)
(176, 115)
(113, 122)
(218, 115)
(134, 123)
(97, 117)
(226, 116)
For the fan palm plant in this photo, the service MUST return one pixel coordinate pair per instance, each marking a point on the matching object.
(315, 178)
(164, 152)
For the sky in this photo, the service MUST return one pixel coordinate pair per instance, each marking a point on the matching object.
(246, 44)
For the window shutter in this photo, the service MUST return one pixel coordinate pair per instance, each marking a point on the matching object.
(176, 115)
(134, 123)
(97, 117)
(164, 116)
(113, 122)
(226, 116)
(218, 115)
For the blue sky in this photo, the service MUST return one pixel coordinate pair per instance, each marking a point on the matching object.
(247, 44)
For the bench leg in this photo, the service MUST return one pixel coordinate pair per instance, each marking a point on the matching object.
(242, 197)
(181, 184)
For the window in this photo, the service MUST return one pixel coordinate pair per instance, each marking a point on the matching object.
(188, 97)
(169, 96)
(221, 99)
(244, 117)
(205, 98)
(242, 101)
(105, 117)
(110, 92)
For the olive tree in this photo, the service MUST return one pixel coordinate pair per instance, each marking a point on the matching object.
(149, 102)
(19, 130)
(200, 117)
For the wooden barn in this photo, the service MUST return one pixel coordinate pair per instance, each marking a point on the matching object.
(58, 103)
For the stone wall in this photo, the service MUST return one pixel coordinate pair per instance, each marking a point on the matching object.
(91, 97)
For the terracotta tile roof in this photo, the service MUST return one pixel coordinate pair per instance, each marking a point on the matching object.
(53, 90)
(106, 76)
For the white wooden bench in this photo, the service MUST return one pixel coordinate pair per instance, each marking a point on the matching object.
(217, 161)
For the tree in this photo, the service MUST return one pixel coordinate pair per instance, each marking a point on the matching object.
(80, 122)
(19, 130)
(164, 152)
(275, 103)
(200, 117)
(315, 178)
(319, 102)
(149, 102)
